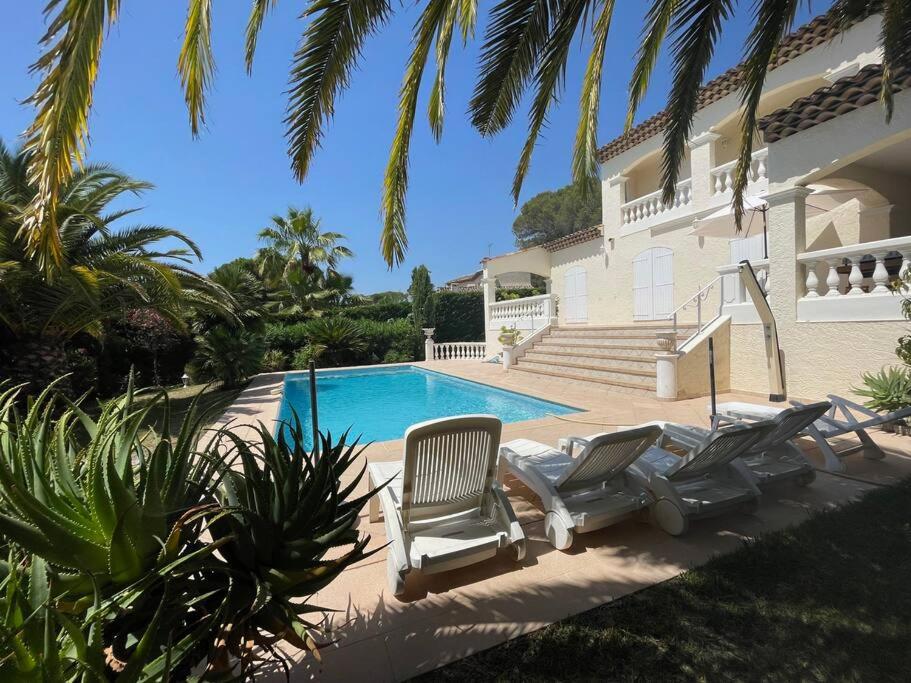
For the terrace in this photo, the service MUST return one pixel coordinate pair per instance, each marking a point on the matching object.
(446, 617)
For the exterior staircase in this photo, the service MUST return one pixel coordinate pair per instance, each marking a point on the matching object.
(615, 357)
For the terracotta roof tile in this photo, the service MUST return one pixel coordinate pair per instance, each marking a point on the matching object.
(573, 238)
(810, 35)
(843, 96)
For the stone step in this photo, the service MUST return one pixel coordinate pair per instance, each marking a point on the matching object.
(579, 343)
(613, 373)
(644, 363)
(571, 377)
(618, 350)
(617, 333)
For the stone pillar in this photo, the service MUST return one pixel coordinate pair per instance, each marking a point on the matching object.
(508, 356)
(702, 161)
(428, 342)
(666, 367)
(613, 196)
(787, 237)
(489, 285)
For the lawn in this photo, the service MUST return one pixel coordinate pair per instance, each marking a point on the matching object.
(214, 401)
(829, 599)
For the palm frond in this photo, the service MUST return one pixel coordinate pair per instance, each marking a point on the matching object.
(195, 64)
(657, 22)
(322, 67)
(436, 107)
(696, 26)
(773, 21)
(56, 138)
(394, 241)
(896, 40)
(585, 161)
(254, 25)
(515, 38)
(468, 18)
(549, 82)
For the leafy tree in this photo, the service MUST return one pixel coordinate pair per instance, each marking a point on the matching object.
(229, 355)
(550, 215)
(423, 303)
(524, 58)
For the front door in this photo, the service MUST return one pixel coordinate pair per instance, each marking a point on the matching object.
(653, 284)
(575, 295)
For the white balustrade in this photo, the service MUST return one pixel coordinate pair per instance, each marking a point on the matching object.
(849, 293)
(529, 313)
(723, 176)
(459, 351)
(651, 209)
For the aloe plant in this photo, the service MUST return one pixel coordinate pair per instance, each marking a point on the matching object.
(112, 529)
(289, 509)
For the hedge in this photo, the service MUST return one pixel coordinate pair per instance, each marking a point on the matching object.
(460, 316)
(378, 312)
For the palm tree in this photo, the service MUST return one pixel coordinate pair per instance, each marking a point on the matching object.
(103, 271)
(295, 243)
(525, 50)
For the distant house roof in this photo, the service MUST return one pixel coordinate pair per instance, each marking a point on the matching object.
(465, 279)
(843, 96)
(816, 32)
(573, 238)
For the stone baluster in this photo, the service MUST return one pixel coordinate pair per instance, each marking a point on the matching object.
(880, 275)
(833, 280)
(855, 278)
(812, 281)
(903, 273)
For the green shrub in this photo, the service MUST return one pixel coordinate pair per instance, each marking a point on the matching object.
(459, 316)
(380, 312)
(274, 361)
(303, 356)
(227, 354)
(518, 293)
(887, 390)
(341, 340)
(286, 337)
(397, 337)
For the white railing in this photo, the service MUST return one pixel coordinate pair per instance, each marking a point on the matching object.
(459, 351)
(854, 282)
(529, 313)
(697, 301)
(723, 176)
(650, 208)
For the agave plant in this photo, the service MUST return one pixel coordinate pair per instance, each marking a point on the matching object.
(887, 390)
(289, 509)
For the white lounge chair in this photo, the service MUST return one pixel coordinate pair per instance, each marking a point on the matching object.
(583, 493)
(828, 426)
(443, 508)
(775, 458)
(707, 481)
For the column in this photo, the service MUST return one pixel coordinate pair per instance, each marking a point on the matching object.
(787, 237)
(613, 196)
(489, 286)
(702, 161)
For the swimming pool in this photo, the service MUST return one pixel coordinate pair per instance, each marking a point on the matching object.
(381, 403)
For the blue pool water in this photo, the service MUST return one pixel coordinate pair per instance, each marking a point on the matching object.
(381, 403)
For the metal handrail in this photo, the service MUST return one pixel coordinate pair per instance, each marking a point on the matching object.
(698, 298)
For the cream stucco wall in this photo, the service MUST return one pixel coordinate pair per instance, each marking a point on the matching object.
(693, 377)
(590, 256)
(820, 358)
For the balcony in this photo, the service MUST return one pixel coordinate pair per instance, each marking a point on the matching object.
(530, 313)
(722, 178)
(644, 212)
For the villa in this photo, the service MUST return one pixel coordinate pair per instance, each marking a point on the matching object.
(632, 303)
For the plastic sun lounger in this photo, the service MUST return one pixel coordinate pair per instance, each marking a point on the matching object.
(443, 508)
(585, 493)
(708, 481)
(828, 426)
(775, 458)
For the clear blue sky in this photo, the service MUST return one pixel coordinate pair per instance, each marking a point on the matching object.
(222, 188)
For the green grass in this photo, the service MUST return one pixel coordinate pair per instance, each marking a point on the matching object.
(827, 600)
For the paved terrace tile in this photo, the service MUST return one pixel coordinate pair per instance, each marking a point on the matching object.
(446, 617)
